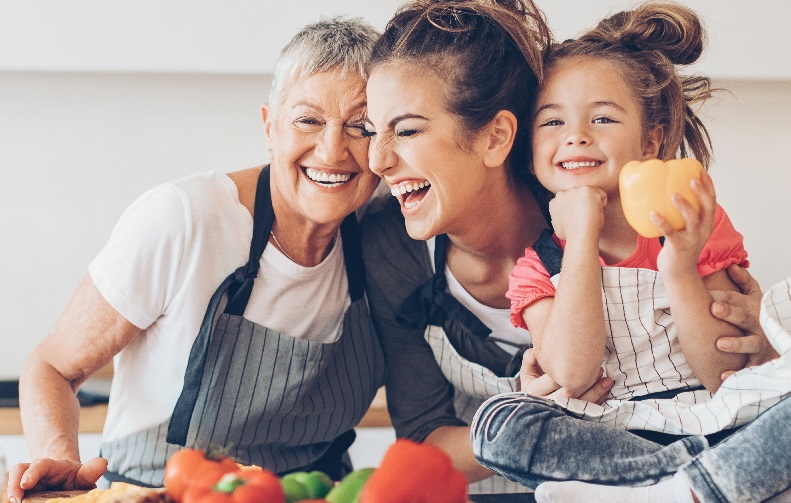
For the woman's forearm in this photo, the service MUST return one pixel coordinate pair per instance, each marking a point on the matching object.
(697, 329)
(455, 441)
(50, 412)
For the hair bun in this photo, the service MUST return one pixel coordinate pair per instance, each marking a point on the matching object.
(672, 29)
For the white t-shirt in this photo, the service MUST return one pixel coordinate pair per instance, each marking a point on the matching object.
(167, 255)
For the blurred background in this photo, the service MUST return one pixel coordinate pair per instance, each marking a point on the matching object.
(101, 100)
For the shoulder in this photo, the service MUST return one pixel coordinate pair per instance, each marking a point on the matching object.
(395, 264)
(384, 236)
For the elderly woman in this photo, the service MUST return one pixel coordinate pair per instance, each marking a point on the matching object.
(232, 304)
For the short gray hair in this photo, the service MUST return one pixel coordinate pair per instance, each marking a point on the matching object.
(329, 43)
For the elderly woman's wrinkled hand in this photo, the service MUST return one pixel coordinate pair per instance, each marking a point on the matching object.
(742, 310)
(43, 474)
(535, 382)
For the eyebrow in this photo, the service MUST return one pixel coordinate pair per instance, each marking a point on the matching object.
(362, 104)
(395, 120)
(554, 106)
(308, 105)
(609, 104)
(545, 107)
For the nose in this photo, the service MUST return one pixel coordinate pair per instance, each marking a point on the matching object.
(380, 155)
(332, 146)
(578, 135)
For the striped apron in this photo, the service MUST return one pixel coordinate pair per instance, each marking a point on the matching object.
(654, 388)
(439, 312)
(263, 397)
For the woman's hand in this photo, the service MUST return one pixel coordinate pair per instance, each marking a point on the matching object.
(45, 474)
(535, 382)
(742, 310)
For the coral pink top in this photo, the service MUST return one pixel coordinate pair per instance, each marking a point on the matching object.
(530, 281)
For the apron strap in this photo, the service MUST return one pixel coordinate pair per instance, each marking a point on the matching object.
(353, 256)
(430, 303)
(549, 253)
(238, 285)
(263, 218)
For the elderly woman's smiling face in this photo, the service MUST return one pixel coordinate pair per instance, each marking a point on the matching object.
(319, 151)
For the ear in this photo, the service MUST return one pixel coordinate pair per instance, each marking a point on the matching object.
(268, 116)
(652, 142)
(498, 138)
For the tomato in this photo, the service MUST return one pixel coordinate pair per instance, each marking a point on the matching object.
(193, 467)
(243, 486)
(648, 186)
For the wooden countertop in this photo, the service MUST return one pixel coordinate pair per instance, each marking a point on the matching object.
(92, 418)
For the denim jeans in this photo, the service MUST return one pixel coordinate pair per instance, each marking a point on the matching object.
(531, 440)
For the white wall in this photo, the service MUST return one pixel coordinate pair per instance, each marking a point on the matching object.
(100, 100)
(244, 36)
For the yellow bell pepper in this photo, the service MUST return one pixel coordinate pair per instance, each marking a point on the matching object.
(649, 185)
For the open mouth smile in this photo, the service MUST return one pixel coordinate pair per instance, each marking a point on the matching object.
(410, 193)
(571, 165)
(327, 179)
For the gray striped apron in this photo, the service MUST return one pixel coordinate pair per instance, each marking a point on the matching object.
(263, 397)
(433, 308)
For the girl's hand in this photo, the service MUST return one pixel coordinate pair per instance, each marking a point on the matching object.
(578, 212)
(682, 249)
(535, 382)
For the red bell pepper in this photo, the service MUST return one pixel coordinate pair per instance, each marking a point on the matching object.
(415, 473)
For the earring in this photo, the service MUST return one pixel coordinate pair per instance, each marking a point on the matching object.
(269, 150)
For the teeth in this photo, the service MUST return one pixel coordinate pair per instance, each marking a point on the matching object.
(575, 165)
(328, 179)
(408, 187)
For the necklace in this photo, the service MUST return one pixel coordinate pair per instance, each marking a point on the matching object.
(283, 251)
(280, 247)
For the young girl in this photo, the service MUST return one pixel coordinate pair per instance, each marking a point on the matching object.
(611, 97)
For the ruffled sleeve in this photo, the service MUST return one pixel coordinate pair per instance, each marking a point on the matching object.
(724, 248)
(528, 282)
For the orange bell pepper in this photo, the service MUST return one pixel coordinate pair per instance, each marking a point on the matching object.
(649, 185)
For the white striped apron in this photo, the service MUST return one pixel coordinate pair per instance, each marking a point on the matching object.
(263, 397)
(472, 383)
(643, 356)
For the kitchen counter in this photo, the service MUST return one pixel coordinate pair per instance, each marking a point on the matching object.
(92, 417)
(42, 497)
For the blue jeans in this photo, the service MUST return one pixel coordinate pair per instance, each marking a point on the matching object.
(531, 440)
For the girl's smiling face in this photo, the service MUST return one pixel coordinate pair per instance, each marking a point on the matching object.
(587, 125)
(418, 148)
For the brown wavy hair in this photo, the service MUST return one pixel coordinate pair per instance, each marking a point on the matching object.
(647, 45)
(490, 53)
